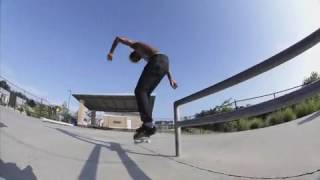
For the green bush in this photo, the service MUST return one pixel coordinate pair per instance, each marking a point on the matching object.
(29, 111)
(230, 126)
(275, 118)
(257, 123)
(288, 115)
(216, 127)
(312, 105)
(307, 107)
(301, 110)
(243, 124)
(316, 101)
(281, 116)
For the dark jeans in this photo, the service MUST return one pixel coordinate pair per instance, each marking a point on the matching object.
(151, 76)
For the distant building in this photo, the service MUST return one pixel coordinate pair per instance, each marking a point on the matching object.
(164, 124)
(4, 97)
(20, 102)
(121, 121)
(16, 101)
(120, 110)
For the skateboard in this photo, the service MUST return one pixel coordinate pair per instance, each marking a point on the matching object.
(142, 140)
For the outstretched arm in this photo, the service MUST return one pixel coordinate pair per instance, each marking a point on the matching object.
(173, 83)
(116, 41)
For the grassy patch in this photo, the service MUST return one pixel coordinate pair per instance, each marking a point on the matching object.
(307, 107)
(257, 123)
(281, 116)
(288, 115)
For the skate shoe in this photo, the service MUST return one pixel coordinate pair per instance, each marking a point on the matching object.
(144, 132)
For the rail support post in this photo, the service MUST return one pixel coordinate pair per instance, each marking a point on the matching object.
(177, 129)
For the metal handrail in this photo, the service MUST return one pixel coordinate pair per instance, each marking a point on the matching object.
(258, 69)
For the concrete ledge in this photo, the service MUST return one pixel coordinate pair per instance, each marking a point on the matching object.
(55, 122)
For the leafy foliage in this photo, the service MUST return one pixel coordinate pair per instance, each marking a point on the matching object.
(313, 77)
(4, 85)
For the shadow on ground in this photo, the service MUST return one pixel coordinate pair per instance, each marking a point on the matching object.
(10, 171)
(89, 170)
(2, 125)
(312, 117)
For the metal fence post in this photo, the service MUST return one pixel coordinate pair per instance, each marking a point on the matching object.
(177, 129)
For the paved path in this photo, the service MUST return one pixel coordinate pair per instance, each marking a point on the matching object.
(33, 149)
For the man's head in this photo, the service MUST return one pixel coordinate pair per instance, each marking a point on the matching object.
(134, 57)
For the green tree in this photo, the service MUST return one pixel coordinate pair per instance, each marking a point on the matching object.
(4, 85)
(313, 77)
(66, 116)
(39, 111)
(226, 106)
(31, 103)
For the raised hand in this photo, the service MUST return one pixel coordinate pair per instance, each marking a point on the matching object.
(173, 84)
(110, 56)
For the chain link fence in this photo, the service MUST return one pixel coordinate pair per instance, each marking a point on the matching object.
(18, 99)
(234, 104)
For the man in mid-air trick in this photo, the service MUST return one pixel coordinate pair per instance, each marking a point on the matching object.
(157, 67)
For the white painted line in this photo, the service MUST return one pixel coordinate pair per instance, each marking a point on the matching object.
(55, 122)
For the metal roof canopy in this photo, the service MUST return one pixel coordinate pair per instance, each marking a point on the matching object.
(111, 102)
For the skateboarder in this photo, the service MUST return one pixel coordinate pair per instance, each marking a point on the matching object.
(157, 67)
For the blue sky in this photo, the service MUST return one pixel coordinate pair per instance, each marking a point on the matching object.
(48, 46)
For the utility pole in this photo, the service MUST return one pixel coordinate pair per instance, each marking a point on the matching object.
(69, 99)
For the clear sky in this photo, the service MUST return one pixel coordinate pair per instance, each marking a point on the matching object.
(50, 46)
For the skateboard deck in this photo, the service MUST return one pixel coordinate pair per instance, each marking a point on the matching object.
(142, 140)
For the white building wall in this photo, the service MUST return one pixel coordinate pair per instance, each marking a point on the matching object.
(4, 96)
(123, 121)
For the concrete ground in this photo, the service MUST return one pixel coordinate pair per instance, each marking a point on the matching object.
(31, 149)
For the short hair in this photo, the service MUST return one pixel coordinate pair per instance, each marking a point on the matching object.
(134, 57)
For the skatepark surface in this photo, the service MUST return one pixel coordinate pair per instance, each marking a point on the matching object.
(31, 149)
